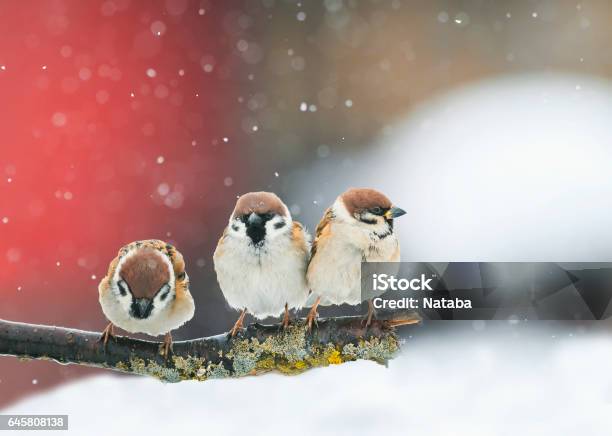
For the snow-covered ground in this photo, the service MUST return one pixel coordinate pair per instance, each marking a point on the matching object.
(500, 380)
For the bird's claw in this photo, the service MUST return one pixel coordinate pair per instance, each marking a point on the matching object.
(310, 319)
(367, 321)
(238, 324)
(286, 321)
(313, 315)
(107, 334)
(165, 348)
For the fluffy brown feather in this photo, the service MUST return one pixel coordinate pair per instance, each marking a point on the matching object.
(357, 200)
(260, 203)
(146, 285)
(322, 231)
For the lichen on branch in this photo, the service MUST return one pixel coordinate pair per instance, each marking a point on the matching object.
(256, 350)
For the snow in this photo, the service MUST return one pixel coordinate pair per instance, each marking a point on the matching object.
(505, 380)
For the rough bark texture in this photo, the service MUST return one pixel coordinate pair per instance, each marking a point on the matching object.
(257, 349)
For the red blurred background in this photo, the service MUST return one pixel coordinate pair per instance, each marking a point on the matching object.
(113, 119)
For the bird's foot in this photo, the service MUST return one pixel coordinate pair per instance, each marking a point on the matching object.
(313, 315)
(286, 318)
(238, 325)
(312, 318)
(107, 334)
(370, 316)
(165, 348)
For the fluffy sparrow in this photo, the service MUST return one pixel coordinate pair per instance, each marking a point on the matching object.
(146, 290)
(261, 259)
(357, 228)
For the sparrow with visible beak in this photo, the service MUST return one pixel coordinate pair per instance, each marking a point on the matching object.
(261, 259)
(146, 290)
(357, 228)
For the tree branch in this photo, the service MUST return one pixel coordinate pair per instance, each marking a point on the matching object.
(258, 349)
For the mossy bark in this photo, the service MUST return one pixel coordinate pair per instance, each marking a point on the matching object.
(257, 349)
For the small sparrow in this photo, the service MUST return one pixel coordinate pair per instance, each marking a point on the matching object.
(146, 290)
(357, 228)
(261, 259)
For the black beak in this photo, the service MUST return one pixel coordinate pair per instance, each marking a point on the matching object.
(254, 220)
(142, 307)
(394, 212)
(256, 228)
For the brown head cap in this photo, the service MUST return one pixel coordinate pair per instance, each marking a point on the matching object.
(260, 203)
(145, 272)
(359, 199)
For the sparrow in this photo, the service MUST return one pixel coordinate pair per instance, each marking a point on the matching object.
(357, 228)
(146, 290)
(261, 259)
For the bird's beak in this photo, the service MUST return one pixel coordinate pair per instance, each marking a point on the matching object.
(143, 307)
(254, 219)
(394, 212)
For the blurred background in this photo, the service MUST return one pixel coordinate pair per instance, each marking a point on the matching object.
(123, 120)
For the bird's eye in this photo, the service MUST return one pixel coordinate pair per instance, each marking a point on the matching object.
(123, 287)
(376, 210)
(164, 291)
(181, 276)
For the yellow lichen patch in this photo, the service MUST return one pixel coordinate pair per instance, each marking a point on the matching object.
(266, 364)
(334, 358)
(122, 366)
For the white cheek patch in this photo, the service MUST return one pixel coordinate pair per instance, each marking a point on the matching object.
(340, 211)
(160, 302)
(125, 301)
(278, 225)
(237, 227)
